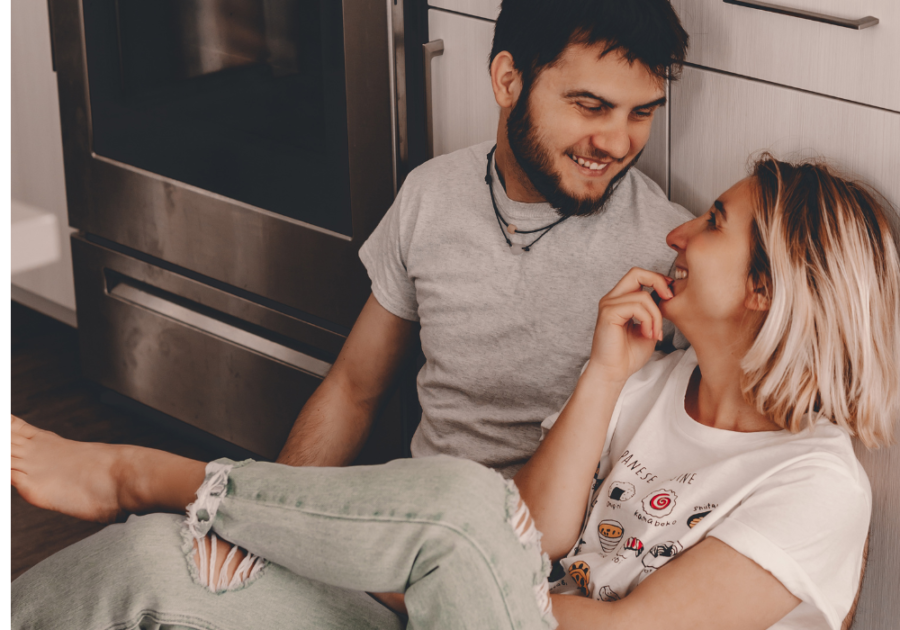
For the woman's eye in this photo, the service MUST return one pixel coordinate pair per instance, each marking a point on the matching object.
(591, 108)
(640, 114)
(711, 221)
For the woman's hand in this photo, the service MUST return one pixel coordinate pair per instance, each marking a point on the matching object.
(620, 347)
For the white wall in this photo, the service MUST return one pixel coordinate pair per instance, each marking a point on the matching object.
(37, 176)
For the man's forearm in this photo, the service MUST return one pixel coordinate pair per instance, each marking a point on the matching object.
(330, 430)
(334, 423)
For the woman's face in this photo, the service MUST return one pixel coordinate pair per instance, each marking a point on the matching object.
(711, 285)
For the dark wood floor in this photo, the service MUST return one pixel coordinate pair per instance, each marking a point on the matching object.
(49, 392)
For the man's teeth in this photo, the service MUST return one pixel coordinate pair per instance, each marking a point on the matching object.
(594, 166)
(680, 274)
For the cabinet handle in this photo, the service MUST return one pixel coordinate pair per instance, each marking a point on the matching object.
(136, 292)
(859, 24)
(52, 43)
(431, 50)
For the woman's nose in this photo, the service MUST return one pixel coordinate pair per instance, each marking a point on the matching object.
(677, 238)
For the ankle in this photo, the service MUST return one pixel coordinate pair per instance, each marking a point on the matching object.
(156, 481)
(134, 487)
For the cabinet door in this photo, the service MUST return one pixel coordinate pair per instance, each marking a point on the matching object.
(856, 65)
(488, 9)
(463, 106)
(718, 121)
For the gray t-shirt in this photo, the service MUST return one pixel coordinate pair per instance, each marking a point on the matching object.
(504, 336)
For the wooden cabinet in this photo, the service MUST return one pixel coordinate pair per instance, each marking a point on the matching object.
(719, 121)
(463, 106)
(856, 65)
(488, 9)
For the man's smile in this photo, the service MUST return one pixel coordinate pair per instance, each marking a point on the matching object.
(589, 166)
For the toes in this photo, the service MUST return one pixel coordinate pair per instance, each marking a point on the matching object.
(22, 428)
(17, 478)
(19, 440)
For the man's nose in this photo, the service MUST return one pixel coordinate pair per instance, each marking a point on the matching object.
(613, 140)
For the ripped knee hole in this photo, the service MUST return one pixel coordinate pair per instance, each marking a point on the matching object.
(223, 566)
(528, 534)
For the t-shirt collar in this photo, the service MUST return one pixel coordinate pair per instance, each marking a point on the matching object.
(538, 212)
(677, 391)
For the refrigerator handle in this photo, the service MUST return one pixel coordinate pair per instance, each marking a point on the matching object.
(431, 50)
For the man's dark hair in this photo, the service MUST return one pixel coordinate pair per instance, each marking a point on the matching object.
(536, 32)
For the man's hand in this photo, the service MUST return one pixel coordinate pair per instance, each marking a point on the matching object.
(334, 423)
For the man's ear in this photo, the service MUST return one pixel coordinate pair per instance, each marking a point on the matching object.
(506, 81)
(757, 296)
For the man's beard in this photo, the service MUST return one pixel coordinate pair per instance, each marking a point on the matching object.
(536, 162)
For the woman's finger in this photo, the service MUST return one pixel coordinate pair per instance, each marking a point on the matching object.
(621, 312)
(642, 302)
(637, 278)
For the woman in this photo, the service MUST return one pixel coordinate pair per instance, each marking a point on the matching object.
(726, 495)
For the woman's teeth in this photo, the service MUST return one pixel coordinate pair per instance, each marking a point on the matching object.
(594, 166)
(680, 274)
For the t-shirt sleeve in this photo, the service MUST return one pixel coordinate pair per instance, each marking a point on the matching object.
(384, 255)
(807, 526)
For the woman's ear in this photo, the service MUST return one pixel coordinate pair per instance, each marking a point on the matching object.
(506, 81)
(757, 296)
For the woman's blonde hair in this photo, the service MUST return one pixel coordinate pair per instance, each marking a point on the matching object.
(823, 255)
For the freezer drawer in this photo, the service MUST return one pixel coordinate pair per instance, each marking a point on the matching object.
(227, 365)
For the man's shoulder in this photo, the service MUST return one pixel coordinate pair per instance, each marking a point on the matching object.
(461, 167)
(644, 196)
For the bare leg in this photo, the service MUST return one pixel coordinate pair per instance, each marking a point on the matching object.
(106, 482)
(99, 482)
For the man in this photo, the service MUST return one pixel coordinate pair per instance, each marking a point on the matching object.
(504, 277)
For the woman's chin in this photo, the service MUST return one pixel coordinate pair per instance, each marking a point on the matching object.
(672, 314)
(666, 310)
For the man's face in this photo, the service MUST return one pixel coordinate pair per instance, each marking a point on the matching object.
(582, 125)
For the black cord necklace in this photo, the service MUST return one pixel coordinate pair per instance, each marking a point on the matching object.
(505, 226)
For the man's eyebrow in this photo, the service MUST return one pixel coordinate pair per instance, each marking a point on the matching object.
(606, 103)
(585, 94)
(721, 208)
(657, 103)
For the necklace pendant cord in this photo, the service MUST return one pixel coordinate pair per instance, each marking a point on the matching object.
(503, 223)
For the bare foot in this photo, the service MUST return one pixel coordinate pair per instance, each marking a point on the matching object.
(76, 478)
(98, 482)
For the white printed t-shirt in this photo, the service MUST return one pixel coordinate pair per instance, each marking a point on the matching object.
(796, 504)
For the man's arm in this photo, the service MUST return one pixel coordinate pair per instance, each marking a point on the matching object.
(334, 423)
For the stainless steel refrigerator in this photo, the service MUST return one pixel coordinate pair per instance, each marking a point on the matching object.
(225, 160)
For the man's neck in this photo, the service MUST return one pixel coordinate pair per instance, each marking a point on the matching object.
(517, 185)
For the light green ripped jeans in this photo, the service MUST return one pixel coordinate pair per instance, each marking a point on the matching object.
(447, 532)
